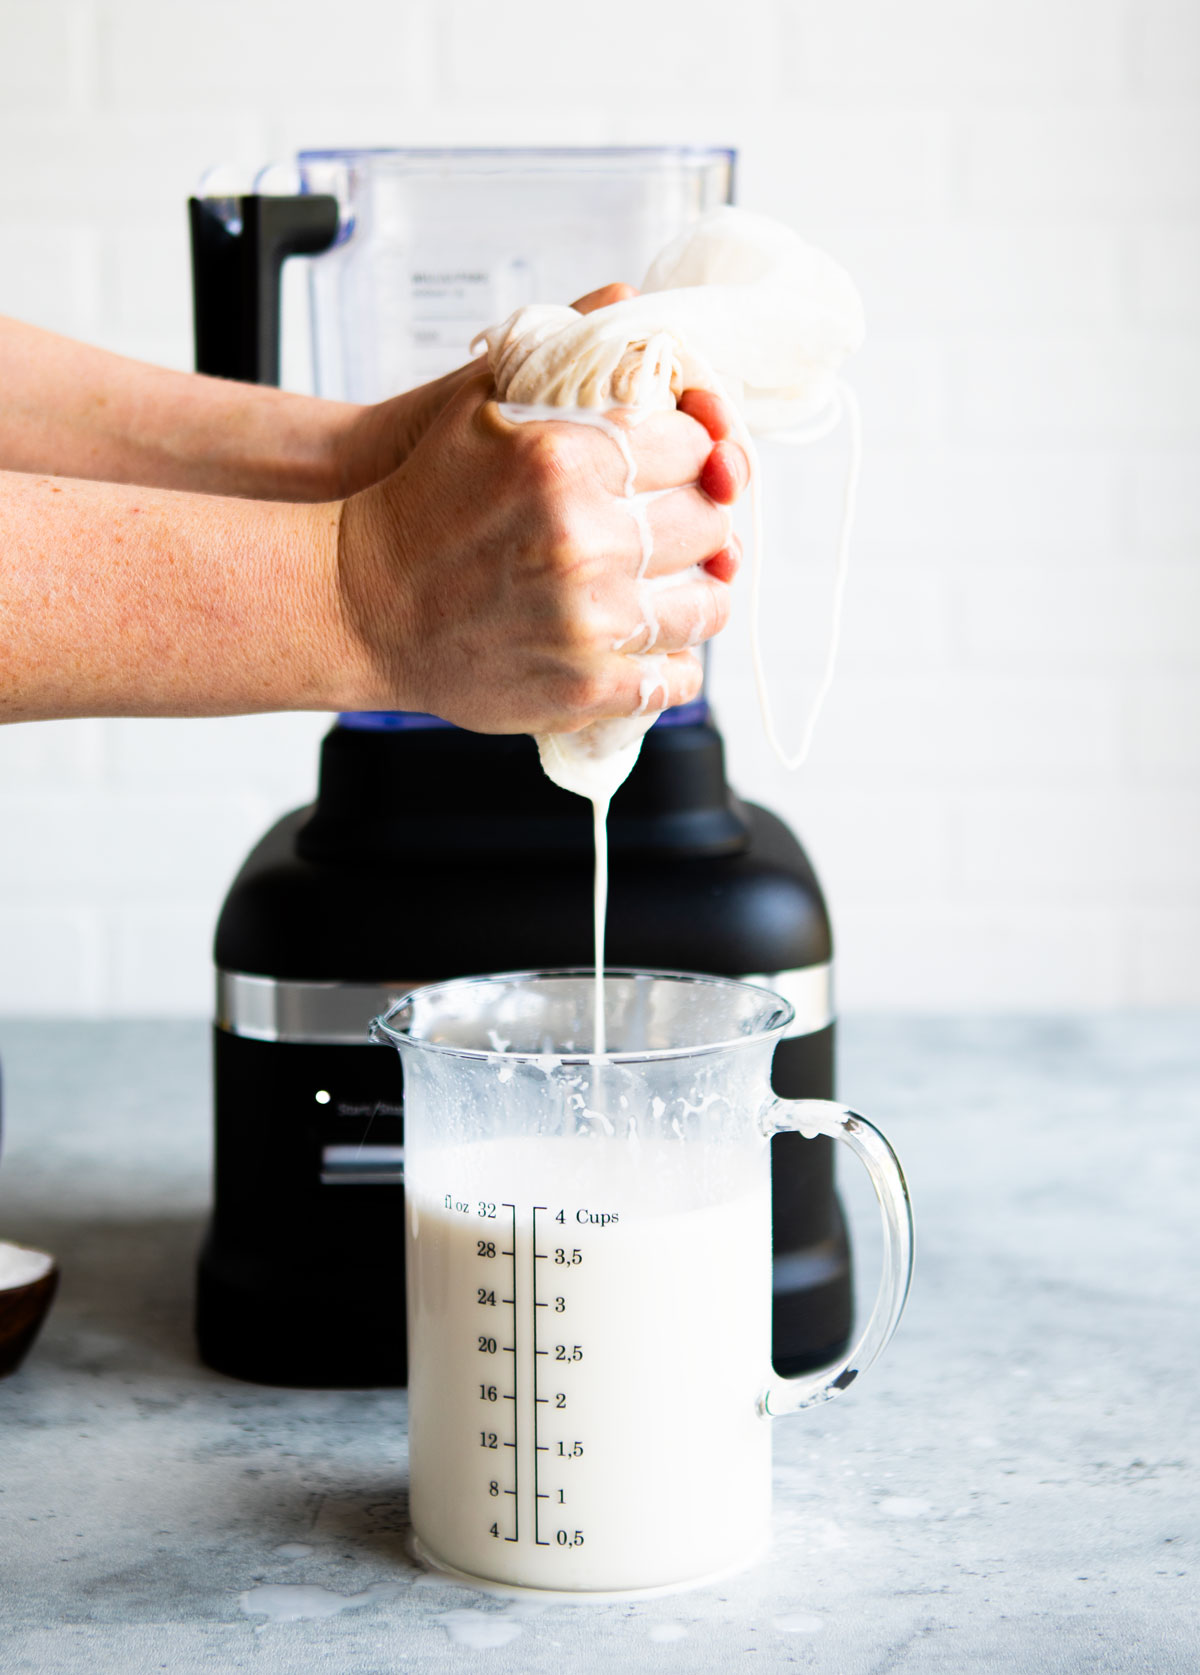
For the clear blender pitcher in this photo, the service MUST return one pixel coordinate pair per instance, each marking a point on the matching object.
(589, 1275)
(433, 246)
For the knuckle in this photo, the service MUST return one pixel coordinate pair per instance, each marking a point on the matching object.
(581, 630)
(560, 539)
(541, 455)
(578, 542)
(551, 453)
(581, 691)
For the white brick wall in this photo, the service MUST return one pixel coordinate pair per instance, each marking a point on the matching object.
(955, 54)
(1003, 798)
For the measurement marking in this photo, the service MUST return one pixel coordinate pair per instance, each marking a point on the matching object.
(537, 1447)
(512, 1254)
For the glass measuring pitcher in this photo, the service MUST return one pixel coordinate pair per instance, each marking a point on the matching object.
(589, 1274)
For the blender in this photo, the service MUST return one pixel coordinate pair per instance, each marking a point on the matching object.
(431, 852)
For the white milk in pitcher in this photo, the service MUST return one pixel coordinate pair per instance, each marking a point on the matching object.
(588, 1343)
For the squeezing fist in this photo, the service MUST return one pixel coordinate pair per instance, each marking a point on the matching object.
(213, 548)
(497, 577)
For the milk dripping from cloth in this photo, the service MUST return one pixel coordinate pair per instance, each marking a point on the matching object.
(737, 304)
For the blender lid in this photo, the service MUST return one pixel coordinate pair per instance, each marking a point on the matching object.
(502, 158)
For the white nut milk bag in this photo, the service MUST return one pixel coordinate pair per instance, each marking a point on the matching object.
(737, 304)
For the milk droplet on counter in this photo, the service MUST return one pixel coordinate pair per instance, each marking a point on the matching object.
(665, 1632)
(900, 1506)
(797, 1622)
(480, 1630)
(292, 1550)
(293, 1602)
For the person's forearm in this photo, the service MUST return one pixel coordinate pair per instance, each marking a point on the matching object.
(77, 411)
(493, 578)
(138, 601)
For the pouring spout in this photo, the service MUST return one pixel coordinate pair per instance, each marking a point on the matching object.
(391, 1028)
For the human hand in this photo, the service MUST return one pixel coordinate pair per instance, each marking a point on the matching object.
(490, 579)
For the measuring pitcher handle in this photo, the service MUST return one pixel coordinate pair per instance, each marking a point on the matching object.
(811, 1117)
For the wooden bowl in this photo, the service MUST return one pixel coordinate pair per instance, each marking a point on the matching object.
(23, 1306)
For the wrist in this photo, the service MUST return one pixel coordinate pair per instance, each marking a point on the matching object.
(259, 443)
(302, 656)
(329, 607)
(315, 448)
(372, 603)
(358, 451)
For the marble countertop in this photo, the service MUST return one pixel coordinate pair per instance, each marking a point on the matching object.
(1013, 1487)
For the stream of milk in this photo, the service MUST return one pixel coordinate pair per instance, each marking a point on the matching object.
(595, 762)
(599, 915)
(738, 304)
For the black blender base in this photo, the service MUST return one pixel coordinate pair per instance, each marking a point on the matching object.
(812, 1281)
(329, 1337)
(812, 1305)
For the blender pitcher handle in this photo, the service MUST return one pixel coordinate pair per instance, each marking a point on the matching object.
(239, 246)
(811, 1117)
